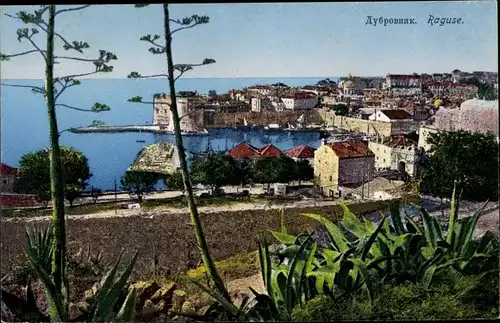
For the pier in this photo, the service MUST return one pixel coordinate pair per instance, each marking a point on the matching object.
(144, 128)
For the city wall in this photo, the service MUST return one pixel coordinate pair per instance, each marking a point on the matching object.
(221, 119)
(355, 124)
(169, 236)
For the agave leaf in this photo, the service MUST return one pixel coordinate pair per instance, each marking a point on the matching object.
(278, 281)
(454, 206)
(417, 227)
(471, 226)
(266, 268)
(229, 307)
(395, 212)
(351, 222)
(331, 256)
(343, 273)
(368, 245)
(361, 265)
(338, 238)
(429, 230)
(485, 241)
(289, 284)
(105, 285)
(56, 306)
(283, 238)
(105, 306)
(127, 309)
(305, 269)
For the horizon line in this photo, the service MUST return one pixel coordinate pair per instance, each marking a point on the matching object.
(191, 78)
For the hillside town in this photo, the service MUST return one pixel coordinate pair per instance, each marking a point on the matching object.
(372, 128)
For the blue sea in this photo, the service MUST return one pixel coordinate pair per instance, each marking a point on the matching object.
(24, 122)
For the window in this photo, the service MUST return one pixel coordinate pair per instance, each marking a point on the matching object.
(331, 178)
(5, 181)
(384, 160)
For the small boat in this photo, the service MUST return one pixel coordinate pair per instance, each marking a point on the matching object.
(141, 141)
(272, 127)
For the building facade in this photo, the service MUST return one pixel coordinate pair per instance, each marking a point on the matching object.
(300, 101)
(8, 178)
(404, 85)
(338, 164)
(463, 90)
(395, 153)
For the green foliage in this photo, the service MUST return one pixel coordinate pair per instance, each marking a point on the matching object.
(275, 170)
(215, 170)
(469, 159)
(95, 193)
(341, 109)
(212, 93)
(138, 183)
(34, 173)
(395, 302)
(174, 181)
(97, 123)
(99, 107)
(40, 247)
(305, 170)
(245, 171)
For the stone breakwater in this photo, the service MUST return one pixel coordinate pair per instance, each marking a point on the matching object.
(168, 235)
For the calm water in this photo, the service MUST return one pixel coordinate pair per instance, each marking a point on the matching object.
(24, 124)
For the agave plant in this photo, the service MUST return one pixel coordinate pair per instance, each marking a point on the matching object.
(106, 300)
(361, 253)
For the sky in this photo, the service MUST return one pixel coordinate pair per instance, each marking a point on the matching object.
(271, 39)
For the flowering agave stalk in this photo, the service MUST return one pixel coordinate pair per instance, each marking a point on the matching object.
(43, 19)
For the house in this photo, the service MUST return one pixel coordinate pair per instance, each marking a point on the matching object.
(399, 84)
(395, 153)
(464, 90)
(302, 152)
(261, 89)
(342, 164)
(424, 133)
(300, 101)
(391, 115)
(246, 151)
(8, 178)
(269, 151)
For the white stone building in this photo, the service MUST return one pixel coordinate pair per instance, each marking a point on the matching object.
(300, 101)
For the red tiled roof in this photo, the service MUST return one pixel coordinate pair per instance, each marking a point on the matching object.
(396, 114)
(399, 141)
(7, 170)
(300, 96)
(350, 149)
(269, 151)
(301, 152)
(404, 76)
(244, 150)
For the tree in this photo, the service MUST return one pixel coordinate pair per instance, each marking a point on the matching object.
(34, 173)
(215, 170)
(468, 159)
(212, 93)
(484, 91)
(166, 48)
(174, 181)
(138, 183)
(341, 109)
(95, 193)
(54, 87)
(305, 170)
(245, 171)
(269, 170)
